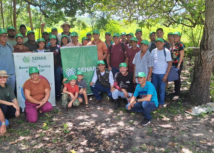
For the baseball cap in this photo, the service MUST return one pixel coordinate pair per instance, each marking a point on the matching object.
(159, 39)
(145, 42)
(18, 35)
(52, 37)
(123, 65)
(141, 74)
(100, 62)
(177, 33)
(33, 70)
(30, 32)
(138, 30)
(2, 31)
(72, 77)
(11, 28)
(96, 32)
(40, 39)
(80, 73)
(116, 35)
(134, 39)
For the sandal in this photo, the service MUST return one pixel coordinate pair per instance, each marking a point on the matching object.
(175, 98)
(87, 107)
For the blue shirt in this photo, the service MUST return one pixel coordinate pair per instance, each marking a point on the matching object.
(6, 59)
(148, 89)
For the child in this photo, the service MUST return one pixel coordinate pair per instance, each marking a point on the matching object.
(41, 44)
(64, 40)
(70, 93)
(85, 41)
(82, 89)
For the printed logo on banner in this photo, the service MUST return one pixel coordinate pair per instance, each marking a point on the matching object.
(70, 71)
(26, 59)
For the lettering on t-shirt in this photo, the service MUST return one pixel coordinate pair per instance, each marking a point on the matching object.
(142, 94)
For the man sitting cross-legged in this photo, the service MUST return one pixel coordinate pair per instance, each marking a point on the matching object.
(124, 85)
(144, 99)
(102, 81)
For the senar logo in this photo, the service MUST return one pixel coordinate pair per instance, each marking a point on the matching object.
(70, 71)
(26, 59)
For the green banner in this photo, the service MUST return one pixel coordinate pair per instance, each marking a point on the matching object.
(79, 58)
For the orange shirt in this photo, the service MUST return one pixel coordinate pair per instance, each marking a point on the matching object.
(71, 89)
(37, 90)
(101, 48)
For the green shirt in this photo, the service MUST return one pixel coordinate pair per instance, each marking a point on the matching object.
(7, 93)
(110, 44)
(11, 42)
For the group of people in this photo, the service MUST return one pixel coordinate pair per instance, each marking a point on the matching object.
(128, 67)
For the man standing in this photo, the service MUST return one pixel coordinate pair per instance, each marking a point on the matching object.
(138, 35)
(31, 43)
(74, 40)
(101, 46)
(162, 65)
(124, 85)
(152, 36)
(45, 35)
(102, 81)
(11, 31)
(144, 100)
(131, 54)
(6, 58)
(160, 34)
(20, 47)
(123, 37)
(143, 61)
(89, 36)
(170, 39)
(54, 31)
(23, 31)
(129, 36)
(116, 54)
(108, 39)
(66, 31)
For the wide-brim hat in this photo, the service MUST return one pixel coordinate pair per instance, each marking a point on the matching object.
(3, 73)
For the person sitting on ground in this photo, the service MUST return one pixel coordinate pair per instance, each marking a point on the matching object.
(143, 61)
(11, 31)
(144, 99)
(123, 37)
(4, 123)
(41, 44)
(89, 36)
(130, 54)
(162, 66)
(31, 43)
(37, 93)
(70, 94)
(102, 81)
(85, 41)
(64, 40)
(124, 85)
(74, 40)
(8, 102)
(82, 88)
(20, 47)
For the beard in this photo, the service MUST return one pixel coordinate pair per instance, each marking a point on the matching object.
(11, 36)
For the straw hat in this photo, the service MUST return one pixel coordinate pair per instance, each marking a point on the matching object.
(3, 73)
(66, 23)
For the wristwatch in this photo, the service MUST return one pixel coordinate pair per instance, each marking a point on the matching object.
(136, 100)
(3, 123)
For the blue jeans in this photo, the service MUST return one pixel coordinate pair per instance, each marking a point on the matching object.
(159, 86)
(143, 107)
(115, 70)
(99, 88)
(58, 80)
(11, 80)
(7, 123)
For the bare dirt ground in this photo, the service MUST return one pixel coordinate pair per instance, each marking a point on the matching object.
(104, 130)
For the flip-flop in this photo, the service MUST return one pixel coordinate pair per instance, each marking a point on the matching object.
(175, 98)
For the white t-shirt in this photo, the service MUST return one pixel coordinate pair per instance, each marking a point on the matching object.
(160, 61)
(41, 51)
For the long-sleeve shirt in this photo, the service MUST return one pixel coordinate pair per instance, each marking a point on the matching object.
(111, 80)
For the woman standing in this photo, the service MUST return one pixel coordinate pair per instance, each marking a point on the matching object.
(177, 52)
(64, 40)
(37, 93)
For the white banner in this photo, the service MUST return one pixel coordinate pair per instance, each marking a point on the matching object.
(44, 62)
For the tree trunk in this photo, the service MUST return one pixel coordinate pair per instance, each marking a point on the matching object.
(2, 13)
(29, 11)
(199, 90)
(14, 14)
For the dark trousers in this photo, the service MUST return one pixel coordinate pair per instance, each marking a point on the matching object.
(177, 83)
(99, 88)
(58, 80)
(8, 111)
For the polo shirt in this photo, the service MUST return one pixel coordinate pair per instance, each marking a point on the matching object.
(31, 46)
(7, 93)
(142, 64)
(148, 89)
(109, 44)
(101, 48)
(153, 46)
(6, 59)
(130, 54)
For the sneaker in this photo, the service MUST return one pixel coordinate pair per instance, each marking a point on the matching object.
(117, 104)
(145, 122)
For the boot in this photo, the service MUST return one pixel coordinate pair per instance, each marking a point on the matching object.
(117, 104)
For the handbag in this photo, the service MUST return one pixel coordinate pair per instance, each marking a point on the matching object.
(173, 73)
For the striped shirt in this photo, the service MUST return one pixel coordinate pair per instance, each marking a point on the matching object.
(143, 64)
